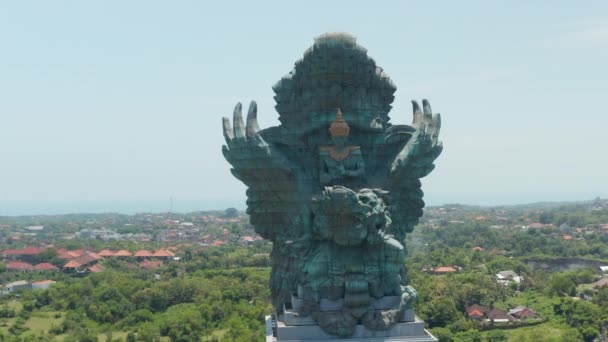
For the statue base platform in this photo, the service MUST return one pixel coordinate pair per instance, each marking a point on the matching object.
(305, 330)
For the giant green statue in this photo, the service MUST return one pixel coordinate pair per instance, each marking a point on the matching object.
(336, 187)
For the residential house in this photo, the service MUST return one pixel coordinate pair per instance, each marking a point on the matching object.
(45, 266)
(508, 277)
(81, 264)
(96, 268)
(18, 285)
(43, 284)
(163, 254)
(445, 269)
(123, 253)
(143, 254)
(499, 316)
(19, 266)
(600, 283)
(477, 312)
(106, 253)
(523, 313)
(23, 254)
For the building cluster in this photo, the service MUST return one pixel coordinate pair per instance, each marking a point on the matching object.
(512, 218)
(508, 277)
(20, 285)
(111, 235)
(80, 260)
(495, 315)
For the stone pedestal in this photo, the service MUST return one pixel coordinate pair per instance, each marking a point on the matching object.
(291, 328)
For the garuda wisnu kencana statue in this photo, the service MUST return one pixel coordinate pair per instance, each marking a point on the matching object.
(336, 187)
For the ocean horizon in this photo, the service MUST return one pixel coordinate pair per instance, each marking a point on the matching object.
(130, 207)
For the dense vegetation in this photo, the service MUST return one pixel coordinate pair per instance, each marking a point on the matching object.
(211, 296)
(221, 293)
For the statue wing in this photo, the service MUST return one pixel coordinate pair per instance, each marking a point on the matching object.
(273, 194)
(269, 175)
(412, 162)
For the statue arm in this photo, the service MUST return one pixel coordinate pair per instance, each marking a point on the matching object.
(413, 161)
(324, 176)
(416, 158)
(359, 170)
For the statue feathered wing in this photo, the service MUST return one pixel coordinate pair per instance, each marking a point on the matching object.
(417, 148)
(273, 194)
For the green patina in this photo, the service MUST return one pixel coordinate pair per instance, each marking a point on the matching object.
(336, 187)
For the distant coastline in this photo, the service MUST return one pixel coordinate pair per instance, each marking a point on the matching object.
(35, 208)
(130, 207)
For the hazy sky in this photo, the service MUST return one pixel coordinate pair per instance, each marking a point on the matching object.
(121, 101)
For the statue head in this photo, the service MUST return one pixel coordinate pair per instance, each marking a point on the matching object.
(334, 72)
(349, 218)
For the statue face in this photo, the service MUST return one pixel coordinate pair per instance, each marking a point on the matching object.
(347, 217)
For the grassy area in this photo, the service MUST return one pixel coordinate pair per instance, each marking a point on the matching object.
(42, 321)
(38, 324)
(15, 305)
(546, 332)
(217, 333)
(115, 334)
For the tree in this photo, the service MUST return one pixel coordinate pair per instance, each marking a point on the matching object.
(497, 336)
(443, 334)
(589, 333)
(471, 335)
(231, 213)
(561, 284)
(439, 312)
(148, 332)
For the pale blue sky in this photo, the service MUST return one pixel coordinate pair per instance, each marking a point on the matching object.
(112, 102)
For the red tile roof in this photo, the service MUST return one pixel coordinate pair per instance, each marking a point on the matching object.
(30, 250)
(106, 253)
(82, 260)
(94, 255)
(19, 265)
(97, 268)
(44, 282)
(497, 314)
(65, 254)
(45, 266)
(143, 253)
(72, 264)
(87, 259)
(123, 253)
(525, 314)
(445, 269)
(476, 311)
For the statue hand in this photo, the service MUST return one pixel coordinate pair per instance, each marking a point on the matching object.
(416, 158)
(244, 143)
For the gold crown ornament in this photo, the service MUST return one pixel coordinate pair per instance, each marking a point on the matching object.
(339, 128)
